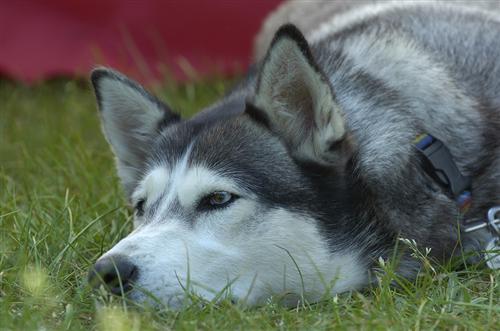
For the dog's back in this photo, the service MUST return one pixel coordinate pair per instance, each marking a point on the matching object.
(309, 16)
(462, 35)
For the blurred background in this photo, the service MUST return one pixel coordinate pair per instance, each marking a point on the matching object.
(149, 40)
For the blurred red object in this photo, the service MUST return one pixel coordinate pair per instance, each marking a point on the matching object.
(147, 39)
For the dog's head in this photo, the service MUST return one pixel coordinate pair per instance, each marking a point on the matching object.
(247, 199)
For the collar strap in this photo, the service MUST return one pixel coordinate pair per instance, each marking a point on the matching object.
(440, 166)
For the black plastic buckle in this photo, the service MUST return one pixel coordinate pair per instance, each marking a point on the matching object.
(439, 164)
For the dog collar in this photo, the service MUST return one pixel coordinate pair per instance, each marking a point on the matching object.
(439, 165)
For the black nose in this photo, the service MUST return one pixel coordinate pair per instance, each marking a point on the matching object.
(116, 272)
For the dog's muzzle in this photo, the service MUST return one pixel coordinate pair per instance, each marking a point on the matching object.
(115, 272)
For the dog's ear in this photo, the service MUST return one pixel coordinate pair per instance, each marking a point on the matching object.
(295, 100)
(131, 118)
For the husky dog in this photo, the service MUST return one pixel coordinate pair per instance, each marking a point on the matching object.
(305, 174)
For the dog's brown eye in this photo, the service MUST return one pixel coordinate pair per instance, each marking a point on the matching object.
(216, 200)
(220, 198)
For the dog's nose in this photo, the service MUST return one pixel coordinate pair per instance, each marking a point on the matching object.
(116, 272)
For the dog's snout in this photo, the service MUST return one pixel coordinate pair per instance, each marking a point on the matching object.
(116, 272)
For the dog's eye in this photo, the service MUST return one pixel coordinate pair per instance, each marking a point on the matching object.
(217, 199)
(139, 207)
(220, 198)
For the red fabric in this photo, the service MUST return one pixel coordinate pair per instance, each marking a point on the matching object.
(42, 38)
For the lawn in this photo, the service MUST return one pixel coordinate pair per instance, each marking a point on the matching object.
(61, 206)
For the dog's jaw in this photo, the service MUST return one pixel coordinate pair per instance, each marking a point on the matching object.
(282, 254)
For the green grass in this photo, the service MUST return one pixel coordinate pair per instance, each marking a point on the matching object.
(61, 206)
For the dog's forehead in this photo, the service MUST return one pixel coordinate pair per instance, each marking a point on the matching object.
(234, 147)
(233, 142)
(221, 143)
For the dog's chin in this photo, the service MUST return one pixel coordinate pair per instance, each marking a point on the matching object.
(145, 299)
(177, 302)
(183, 300)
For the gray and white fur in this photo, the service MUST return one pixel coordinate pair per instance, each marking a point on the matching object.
(297, 181)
